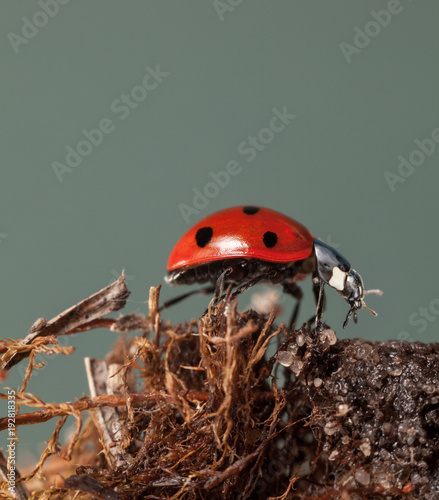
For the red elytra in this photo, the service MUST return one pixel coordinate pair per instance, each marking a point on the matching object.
(234, 232)
(247, 245)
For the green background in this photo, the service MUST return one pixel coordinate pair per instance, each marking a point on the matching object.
(357, 112)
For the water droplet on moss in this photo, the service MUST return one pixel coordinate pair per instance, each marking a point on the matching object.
(393, 370)
(342, 410)
(365, 448)
(331, 427)
(300, 339)
(285, 358)
(318, 382)
(328, 337)
(296, 366)
(362, 477)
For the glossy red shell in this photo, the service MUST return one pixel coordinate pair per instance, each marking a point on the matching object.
(239, 234)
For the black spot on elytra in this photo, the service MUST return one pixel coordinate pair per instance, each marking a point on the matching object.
(250, 210)
(203, 236)
(270, 239)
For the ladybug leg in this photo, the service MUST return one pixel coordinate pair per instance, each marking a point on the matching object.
(352, 312)
(245, 286)
(179, 298)
(318, 289)
(219, 285)
(254, 281)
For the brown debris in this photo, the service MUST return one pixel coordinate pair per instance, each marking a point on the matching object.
(83, 316)
(87, 484)
(201, 411)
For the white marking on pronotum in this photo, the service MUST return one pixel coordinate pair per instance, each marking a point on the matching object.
(338, 279)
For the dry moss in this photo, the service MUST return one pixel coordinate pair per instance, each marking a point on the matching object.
(199, 411)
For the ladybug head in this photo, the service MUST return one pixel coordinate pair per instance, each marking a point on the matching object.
(353, 293)
(334, 270)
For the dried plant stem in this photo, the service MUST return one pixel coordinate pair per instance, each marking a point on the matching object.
(83, 316)
(53, 410)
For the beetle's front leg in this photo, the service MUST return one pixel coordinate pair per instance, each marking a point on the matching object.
(219, 285)
(318, 289)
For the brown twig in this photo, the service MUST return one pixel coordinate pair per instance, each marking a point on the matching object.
(154, 314)
(107, 419)
(83, 316)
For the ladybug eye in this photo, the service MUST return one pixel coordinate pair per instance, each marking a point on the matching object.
(270, 239)
(203, 236)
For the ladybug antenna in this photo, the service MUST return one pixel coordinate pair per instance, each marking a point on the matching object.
(353, 310)
(368, 292)
(368, 308)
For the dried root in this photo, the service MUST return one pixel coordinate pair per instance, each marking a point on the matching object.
(201, 411)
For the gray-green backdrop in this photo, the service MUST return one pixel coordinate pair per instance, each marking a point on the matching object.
(122, 123)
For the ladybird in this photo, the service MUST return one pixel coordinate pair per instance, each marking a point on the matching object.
(246, 245)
